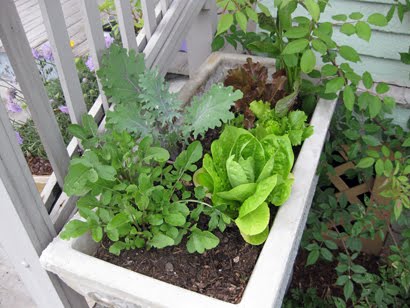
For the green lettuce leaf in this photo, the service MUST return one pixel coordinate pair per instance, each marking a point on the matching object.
(257, 239)
(239, 193)
(263, 190)
(280, 148)
(255, 222)
(282, 191)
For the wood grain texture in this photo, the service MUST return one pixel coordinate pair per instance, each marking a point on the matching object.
(30, 14)
(26, 71)
(150, 21)
(95, 38)
(57, 32)
(126, 24)
(200, 37)
(25, 227)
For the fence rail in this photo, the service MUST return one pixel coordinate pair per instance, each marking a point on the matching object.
(35, 220)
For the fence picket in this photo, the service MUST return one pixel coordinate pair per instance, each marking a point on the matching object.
(150, 20)
(169, 35)
(163, 31)
(19, 52)
(126, 24)
(141, 37)
(95, 38)
(164, 6)
(25, 227)
(55, 25)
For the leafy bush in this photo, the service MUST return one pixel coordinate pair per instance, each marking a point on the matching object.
(110, 19)
(129, 192)
(380, 148)
(295, 41)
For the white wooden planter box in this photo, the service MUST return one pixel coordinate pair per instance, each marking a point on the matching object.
(114, 286)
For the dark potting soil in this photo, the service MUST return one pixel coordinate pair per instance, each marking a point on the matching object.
(322, 275)
(39, 166)
(222, 273)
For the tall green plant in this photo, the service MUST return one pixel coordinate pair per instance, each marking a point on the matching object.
(297, 41)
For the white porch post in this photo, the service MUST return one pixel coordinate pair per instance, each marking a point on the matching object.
(200, 36)
(25, 227)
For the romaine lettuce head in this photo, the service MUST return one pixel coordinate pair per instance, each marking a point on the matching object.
(246, 172)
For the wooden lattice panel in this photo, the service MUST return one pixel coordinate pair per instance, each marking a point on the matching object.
(352, 193)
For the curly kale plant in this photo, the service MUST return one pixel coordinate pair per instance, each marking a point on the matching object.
(144, 105)
(131, 193)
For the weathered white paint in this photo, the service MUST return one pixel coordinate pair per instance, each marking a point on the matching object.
(53, 18)
(142, 37)
(126, 24)
(95, 38)
(200, 37)
(19, 52)
(380, 56)
(164, 30)
(36, 33)
(148, 13)
(173, 40)
(87, 274)
(164, 6)
(25, 227)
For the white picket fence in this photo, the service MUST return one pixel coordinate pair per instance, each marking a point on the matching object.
(28, 221)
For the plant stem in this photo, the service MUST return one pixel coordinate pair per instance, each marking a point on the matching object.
(195, 201)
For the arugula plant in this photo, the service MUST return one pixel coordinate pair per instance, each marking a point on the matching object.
(144, 106)
(244, 174)
(296, 42)
(130, 192)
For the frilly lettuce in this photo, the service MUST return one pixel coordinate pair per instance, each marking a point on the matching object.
(293, 124)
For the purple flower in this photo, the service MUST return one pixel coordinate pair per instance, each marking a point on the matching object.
(35, 53)
(18, 137)
(63, 109)
(12, 104)
(90, 64)
(47, 52)
(13, 107)
(184, 47)
(108, 39)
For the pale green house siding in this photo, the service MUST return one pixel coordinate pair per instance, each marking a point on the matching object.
(381, 55)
